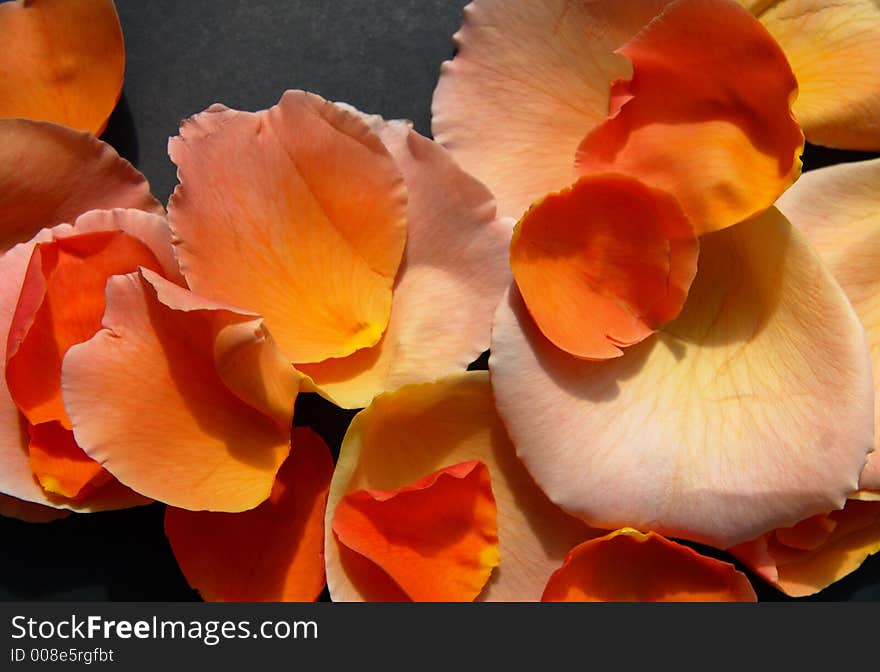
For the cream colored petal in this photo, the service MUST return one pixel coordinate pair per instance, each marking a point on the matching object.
(753, 410)
(419, 429)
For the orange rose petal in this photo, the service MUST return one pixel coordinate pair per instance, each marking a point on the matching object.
(50, 174)
(798, 569)
(807, 534)
(60, 465)
(62, 303)
(12, 507)
(529, 80)
(706, 115)
(628, 566)
(726, 423)
(603, 264)
(838, 209)
(198, 444)
(61, 61)
(418, 430)
(297, 212)
(832, 48)
(452, 277)
(16, 478)
(274, 552)
(436, 537)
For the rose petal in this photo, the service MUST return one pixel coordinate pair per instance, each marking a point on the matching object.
(753, 410)
(799, 571)
(274, 552)
(530, 79)
(297, 212)
(62, 303)
(453, 274)
(50, 174)
(60, 465)
(628, 566)
(28, 512)
(419, 429)
(197, 444)
(16, 478)
(838, 208)
(61, 61)
(706, 115)
(603, 264)
(437, 537)
(832, 48)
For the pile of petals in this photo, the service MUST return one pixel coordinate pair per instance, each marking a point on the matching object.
(681, 327)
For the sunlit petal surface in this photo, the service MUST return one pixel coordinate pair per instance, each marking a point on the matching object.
(199, 444)
(838, 209)
(752, 410)
(602, 264)
(454, 272)
(705, 116)
(629, 566)
(530, 79)
(832, 48)
(436, 538)
(62, 61)
(420, 429)
(297, 212)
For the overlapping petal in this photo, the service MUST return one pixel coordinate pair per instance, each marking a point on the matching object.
(205, 438)
(61, 61)
(603, 264)
(832, 48)
(838, 208)
(706, 115)
(530, 79)
(803, 559)
(752, 410)
(436, 538)
(420, 429)
(50, 174)
(274, 552)
(452, 276)
(629, 566)
(297, 212)
(48, 316)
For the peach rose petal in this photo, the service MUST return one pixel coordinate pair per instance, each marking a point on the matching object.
(603, 263)
(422, 429)
(17, 479)
(50, 174)
(60, 465)
(198, 444)
(629, 566)
(530, 79)
(297, 212)
(61, 61)
(706, 115)
(437, 537)
(838, 209)
(752, 410)
(453, 274)
(799, 569)
(62, 303)
(832, 48)
(272, 553)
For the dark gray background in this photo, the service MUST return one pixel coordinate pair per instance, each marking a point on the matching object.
(383, 56)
